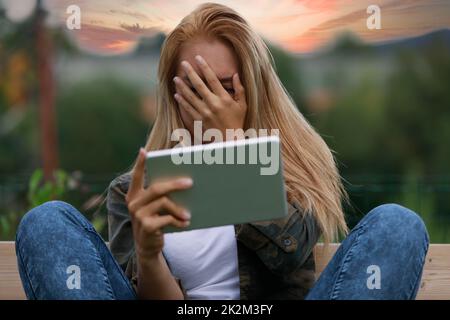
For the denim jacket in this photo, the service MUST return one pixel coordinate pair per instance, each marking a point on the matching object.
(275, 257)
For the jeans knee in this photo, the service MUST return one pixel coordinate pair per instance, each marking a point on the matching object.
(45, 218)
(397, 219)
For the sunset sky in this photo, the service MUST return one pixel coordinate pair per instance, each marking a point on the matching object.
(300, 26)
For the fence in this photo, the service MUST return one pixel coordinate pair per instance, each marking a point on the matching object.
(428, 196)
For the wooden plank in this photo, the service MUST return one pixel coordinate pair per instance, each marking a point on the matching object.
(435, 284)
(435, 280)
(323, 254)
(10, 284)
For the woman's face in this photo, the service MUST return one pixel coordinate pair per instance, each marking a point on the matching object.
(220, 57)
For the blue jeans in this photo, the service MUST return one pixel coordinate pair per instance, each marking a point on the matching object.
(382, 258)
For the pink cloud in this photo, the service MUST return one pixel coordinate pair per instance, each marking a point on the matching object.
(299, 26)
(104, 40)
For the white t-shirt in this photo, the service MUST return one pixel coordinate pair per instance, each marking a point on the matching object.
(205, 261)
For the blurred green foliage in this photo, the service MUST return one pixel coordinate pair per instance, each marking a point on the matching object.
(41, 191)
(392, 139)
(285, 66)
(100, 126)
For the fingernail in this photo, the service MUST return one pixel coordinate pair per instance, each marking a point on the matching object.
(187, 222)
(177, 96)
(185, 64)
(186, 182)
(199, 59)
(175, 79)
(186, 214)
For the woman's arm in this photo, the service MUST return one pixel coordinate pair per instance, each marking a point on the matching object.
(145, 205)
(136, 239)
(155, 281)
(121, 242)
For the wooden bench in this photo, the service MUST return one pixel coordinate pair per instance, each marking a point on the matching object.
(435, 281)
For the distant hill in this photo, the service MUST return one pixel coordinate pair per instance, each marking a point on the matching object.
(345, 43)
(149, 45)
(442, 36)
(350, 43)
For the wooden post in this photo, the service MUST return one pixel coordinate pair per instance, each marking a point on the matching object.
(44, 51)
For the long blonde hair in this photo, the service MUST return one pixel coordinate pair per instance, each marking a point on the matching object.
(310, 172)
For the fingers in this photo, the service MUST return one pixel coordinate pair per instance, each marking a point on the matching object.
(210, 77)
(239, 92)
(163, 205)
(159, 189)
(189, 96)
(196, 81)
(152, 224)
(137, 178)
(187, 106)
(182, 88)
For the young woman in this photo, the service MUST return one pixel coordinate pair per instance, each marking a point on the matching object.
(214, 68)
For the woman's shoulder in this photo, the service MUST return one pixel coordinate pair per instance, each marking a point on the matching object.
(117, 190)
(122, 181)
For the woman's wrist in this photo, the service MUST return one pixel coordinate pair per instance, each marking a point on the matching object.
(149, 261)
(155, 281)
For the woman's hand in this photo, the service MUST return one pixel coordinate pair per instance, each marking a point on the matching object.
(145, 207)
(214, 106)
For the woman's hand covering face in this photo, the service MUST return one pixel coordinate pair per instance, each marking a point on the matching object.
(210, 102)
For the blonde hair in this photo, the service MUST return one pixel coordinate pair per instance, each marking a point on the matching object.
(310, 172)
